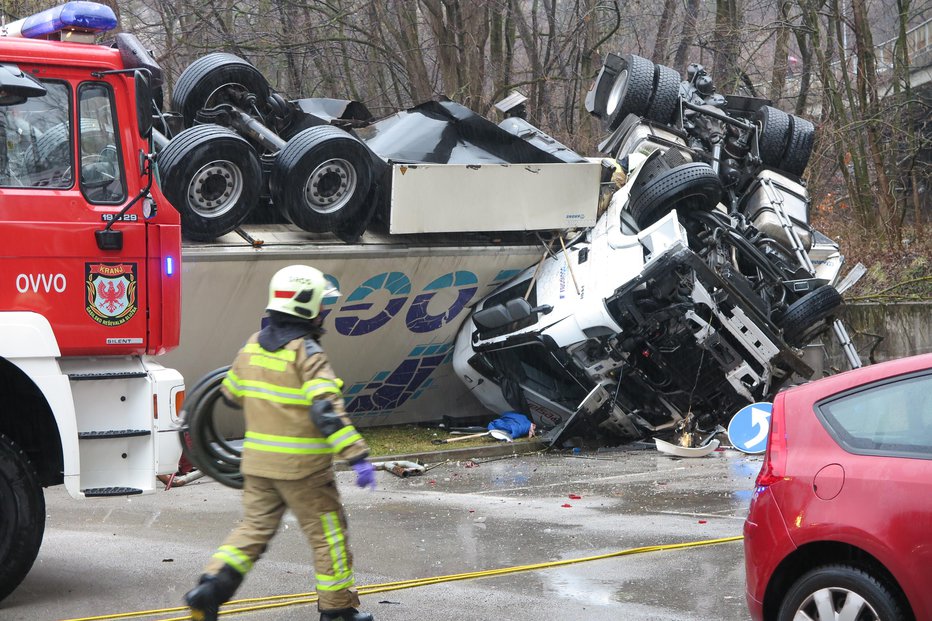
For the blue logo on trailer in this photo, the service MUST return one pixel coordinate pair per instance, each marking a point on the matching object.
(750, 427)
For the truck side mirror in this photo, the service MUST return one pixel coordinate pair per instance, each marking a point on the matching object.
(501, 315)
(143, 104)
(16, 87)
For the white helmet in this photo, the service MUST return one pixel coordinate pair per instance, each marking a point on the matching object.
(298, 290)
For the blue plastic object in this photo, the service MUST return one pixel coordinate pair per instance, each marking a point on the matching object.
(76, 15)
(515, 424)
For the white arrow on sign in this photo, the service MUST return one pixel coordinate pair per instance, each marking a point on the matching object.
(759, 418)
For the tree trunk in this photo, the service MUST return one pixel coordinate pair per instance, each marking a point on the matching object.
(780, 51)
(687, 35)
(663, 32)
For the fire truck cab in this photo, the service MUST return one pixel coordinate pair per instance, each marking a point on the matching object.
(89, 274)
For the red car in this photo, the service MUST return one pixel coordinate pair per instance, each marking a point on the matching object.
(840, 525)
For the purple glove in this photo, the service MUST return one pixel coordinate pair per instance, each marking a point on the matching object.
(365, 473)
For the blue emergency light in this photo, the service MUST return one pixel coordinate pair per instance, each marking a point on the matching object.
(76, 15)
(169, 266)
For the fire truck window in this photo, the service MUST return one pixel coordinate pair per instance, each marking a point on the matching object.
(35, 141)
(101, 170)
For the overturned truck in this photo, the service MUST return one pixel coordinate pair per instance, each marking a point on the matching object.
(695, 292)
(687, 292)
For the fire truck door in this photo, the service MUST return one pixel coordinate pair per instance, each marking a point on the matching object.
(67, 177)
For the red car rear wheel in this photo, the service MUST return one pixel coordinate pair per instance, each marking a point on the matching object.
(825, 593)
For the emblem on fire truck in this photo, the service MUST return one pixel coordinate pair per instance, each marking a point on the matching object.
(111, 292)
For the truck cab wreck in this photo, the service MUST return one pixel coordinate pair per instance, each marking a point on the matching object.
(692, 296)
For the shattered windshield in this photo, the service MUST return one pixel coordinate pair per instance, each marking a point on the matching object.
(35, 141)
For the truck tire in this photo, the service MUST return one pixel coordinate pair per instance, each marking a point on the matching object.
(687, 187)
(805, 318)
(774, 130)
(663, 103)
(597, 97)
(215, 79)
(798, 146)
(212, 177)
(321, 179)
(631, 91)
(22, 515)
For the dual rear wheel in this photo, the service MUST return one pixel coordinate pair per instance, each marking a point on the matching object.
(319, 180)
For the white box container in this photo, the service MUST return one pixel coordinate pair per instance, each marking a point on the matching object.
(447, 198)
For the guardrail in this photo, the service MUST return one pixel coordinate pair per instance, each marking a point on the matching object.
(918, 44)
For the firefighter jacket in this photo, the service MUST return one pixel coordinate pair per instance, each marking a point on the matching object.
(276, 390)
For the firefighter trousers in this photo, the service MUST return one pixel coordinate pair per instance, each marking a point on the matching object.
(319, 511)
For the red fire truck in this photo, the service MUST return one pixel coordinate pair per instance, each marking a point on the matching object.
(89, 275)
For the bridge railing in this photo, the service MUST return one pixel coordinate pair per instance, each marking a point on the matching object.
(918, 43)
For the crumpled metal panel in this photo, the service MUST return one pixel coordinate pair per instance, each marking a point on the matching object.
(445, 132)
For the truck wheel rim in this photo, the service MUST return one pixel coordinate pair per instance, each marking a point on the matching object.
(215, 189)
(614, 96)
(832, 600)
(330, 186)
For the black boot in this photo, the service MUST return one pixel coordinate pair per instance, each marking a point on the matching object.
(205, 599)
(344, 614)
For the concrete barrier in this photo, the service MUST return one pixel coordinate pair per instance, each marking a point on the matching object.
(881, 332)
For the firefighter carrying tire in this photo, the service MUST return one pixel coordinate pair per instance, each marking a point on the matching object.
(212, 177)
(220, 78)
(321, 179)
(22, 515)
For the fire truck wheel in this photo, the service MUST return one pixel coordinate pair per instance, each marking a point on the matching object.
(806, 317)
(687, 187)
(22, 515)
(631, 91)
(321, 178)
(798, 146)
(219, 78)
(774, 130)
(663, 103)
(212, 177)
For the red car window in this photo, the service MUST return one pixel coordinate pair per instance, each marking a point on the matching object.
(892, 418)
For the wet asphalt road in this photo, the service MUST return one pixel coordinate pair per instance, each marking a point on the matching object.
(107, 556)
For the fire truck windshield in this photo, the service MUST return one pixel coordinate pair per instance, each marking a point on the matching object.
(35, 141)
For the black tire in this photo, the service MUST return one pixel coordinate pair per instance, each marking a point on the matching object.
(321, 178)
(218, 78)
(209, 450)
(212, 177)
(631, 91)
(22, 515)
(798, 146)
(838, 582)
(686, 188)
(774, 132)
(597, 97)
(666, 96)
(805, 318)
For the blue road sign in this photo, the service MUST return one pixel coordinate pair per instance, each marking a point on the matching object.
(750, 427)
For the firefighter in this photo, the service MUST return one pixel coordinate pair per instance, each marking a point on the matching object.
(295, 425)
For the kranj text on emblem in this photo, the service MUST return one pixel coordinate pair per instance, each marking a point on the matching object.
(111, 292)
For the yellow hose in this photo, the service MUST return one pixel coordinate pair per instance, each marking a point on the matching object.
(295, 599)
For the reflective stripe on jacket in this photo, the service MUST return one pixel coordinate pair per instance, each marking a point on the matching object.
(276, 390)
